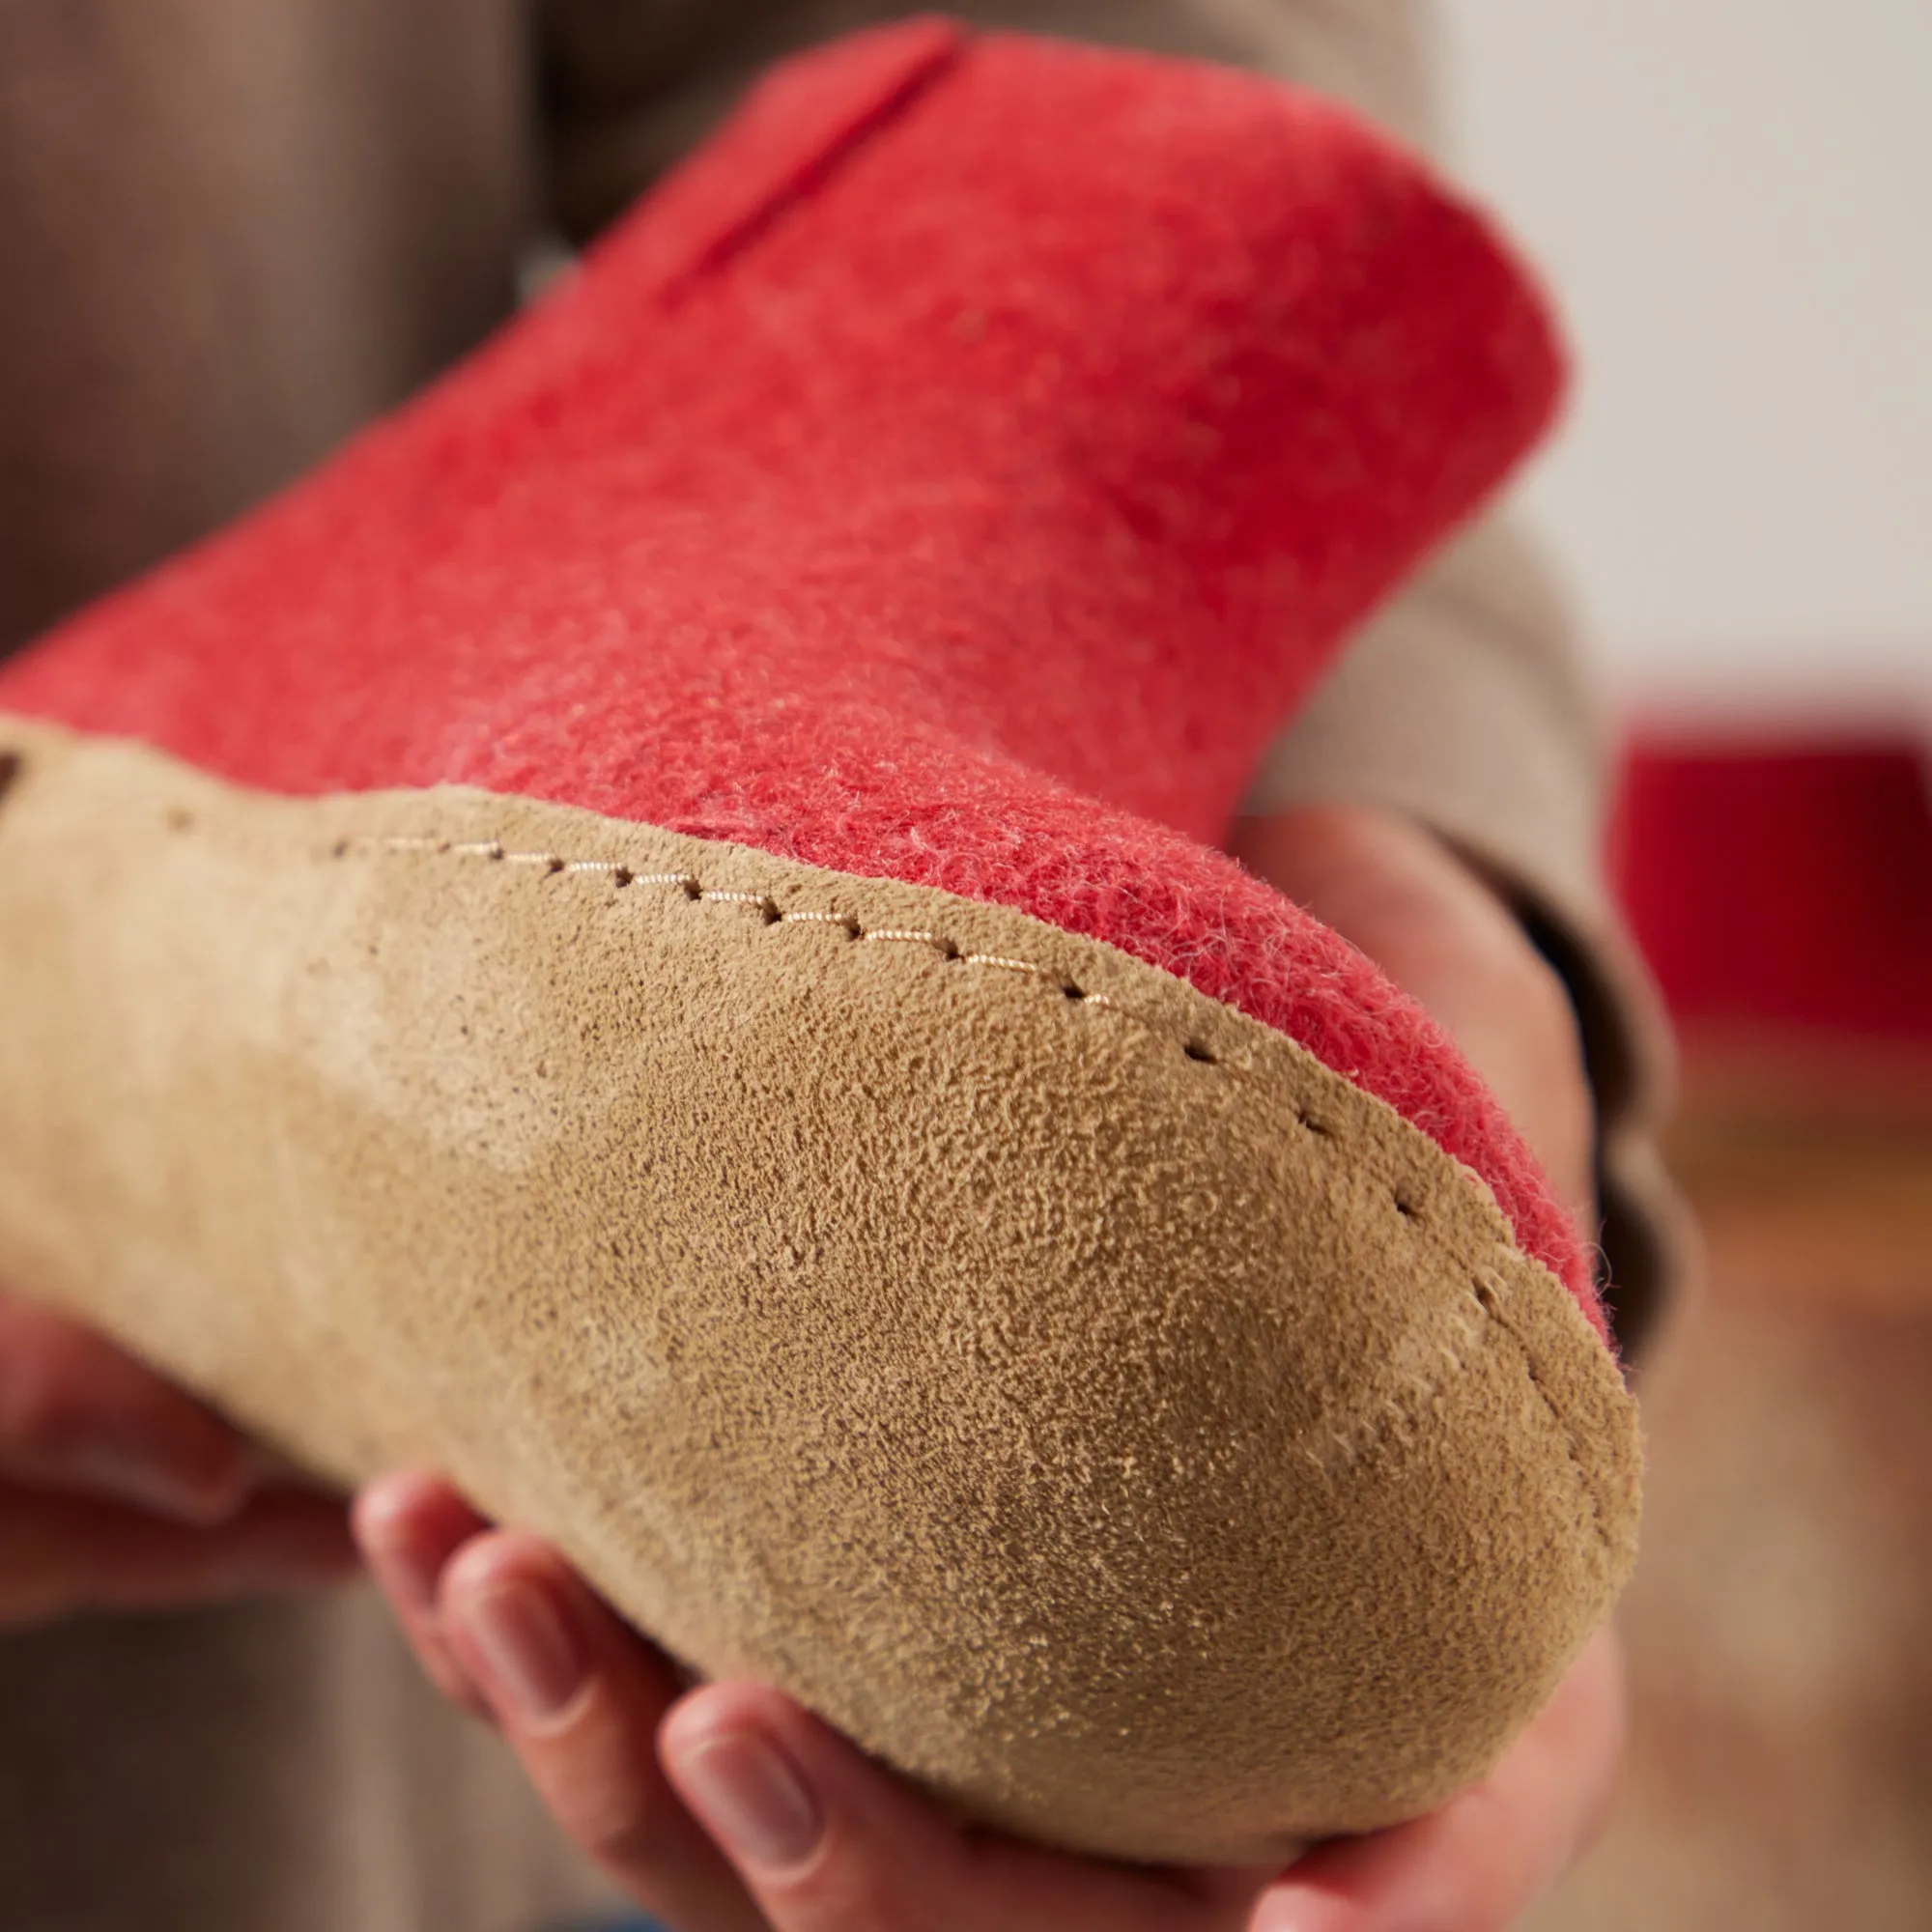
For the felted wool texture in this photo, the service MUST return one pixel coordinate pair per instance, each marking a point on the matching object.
(953, 476)
(1103, 1410)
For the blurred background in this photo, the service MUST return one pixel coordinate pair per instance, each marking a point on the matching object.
(1732, 198)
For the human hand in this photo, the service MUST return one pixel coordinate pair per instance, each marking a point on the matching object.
(726, 1809)
(730, 1809)
(119, 1492)
(661, 1786)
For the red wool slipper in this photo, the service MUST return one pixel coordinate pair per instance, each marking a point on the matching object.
(649, 938)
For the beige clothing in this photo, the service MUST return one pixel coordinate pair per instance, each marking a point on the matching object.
(230, 233)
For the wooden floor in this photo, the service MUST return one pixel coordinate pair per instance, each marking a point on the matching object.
(1780, 1624)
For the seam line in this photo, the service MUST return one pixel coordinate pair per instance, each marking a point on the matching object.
(493, 851)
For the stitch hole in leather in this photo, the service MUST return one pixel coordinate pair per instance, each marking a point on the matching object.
(12, 765)
(1204, 1056)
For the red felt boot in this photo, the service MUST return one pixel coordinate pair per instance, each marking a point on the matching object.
(649, 938)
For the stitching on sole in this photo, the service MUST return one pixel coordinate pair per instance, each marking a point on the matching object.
(1486, 1295)
(549, 864)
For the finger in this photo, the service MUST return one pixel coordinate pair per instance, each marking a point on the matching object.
(410, 1529)
(579, 1696)
(61, 1555)
(826, 1841)
(1479, 1864)
(77, 1414)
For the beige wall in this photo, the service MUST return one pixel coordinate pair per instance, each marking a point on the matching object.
(1735, 199)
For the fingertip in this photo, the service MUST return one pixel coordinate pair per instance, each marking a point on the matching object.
(410, 1525)
(727, 1755)
(519, 1561)
(377, 1513)
(529, 1633)
(405, 1498)
(195, 1476)
(1294, 1908)
(78, 1414)
(495, 1560)
(710, 1709)
(384, 1500)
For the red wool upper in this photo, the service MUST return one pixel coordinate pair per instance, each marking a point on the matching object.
(956, 474)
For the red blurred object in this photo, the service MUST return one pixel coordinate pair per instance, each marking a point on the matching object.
(1784, 883)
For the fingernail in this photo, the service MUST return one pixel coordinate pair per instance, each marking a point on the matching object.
(531, 1656)
(753, 1799)
(137, 1473)
(1277, 1913)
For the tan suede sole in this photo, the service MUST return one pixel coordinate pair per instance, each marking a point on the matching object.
(1068, 1385)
